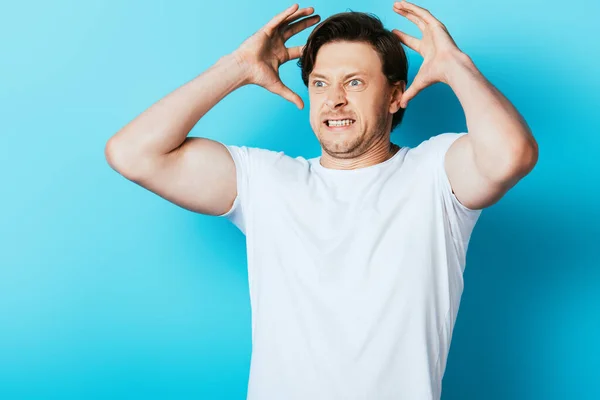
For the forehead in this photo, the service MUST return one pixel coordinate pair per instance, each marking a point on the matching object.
(336, 58)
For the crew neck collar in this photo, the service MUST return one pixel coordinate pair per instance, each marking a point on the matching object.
(317, 164)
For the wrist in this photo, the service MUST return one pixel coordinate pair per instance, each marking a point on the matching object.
(457, 64)
(238, 66)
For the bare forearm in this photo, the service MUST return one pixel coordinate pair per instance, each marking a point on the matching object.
(502, 141)
(165, 125)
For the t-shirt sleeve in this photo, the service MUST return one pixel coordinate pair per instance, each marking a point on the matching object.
(460, 218)
(236, 213)
(252, 168)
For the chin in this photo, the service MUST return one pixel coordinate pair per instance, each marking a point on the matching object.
(343, 148)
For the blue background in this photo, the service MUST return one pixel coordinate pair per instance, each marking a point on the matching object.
(107, 291)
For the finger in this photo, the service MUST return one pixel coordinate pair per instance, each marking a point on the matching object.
(295, 52)
(420, 12)
(300, 26)
(411, 17)
(279, 18)
(408, 40)
(411, 92)
(303, 12)
(280, 89)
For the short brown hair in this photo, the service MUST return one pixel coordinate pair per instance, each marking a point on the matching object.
(354, 26)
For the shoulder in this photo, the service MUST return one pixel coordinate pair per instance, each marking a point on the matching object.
(261, 160)
(255, 153)
(436, 145)
(430, 153)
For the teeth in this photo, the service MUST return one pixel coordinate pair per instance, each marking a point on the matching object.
(344, 122)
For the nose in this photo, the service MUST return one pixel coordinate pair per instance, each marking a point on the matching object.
(336, 97)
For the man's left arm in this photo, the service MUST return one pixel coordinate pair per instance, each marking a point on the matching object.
(498, 149)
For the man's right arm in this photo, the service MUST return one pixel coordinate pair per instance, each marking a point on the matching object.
(199, 174)
(154, 151)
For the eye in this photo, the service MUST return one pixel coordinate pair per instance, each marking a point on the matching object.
(318, 84)
(355, 82)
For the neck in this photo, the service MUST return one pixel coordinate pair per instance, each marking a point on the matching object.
(377, 154)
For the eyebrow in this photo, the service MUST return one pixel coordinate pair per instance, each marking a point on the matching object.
(317, 75)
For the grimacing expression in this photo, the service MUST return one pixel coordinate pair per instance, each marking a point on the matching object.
(351, 104)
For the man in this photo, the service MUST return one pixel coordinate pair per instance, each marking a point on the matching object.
(355, 258)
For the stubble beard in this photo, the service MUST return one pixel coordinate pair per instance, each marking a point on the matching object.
(358, 144)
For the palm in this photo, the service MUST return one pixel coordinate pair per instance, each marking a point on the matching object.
(265, 55)
(436, 46)
(430, 71)
(265, 51)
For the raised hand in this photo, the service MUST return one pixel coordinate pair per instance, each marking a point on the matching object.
(265, 51)
(436, 46)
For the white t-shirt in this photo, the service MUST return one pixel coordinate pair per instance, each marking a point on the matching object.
(355, 275)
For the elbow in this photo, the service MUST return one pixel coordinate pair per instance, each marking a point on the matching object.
(109, 153)
(113, 155)
(120, 159)
(528, 156)
(523, 159)
(534, 155)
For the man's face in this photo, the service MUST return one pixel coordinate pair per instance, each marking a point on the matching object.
(347, 85)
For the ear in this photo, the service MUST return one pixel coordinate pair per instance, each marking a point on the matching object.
(398, 89)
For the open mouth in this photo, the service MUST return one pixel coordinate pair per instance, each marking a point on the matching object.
(338, 123)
